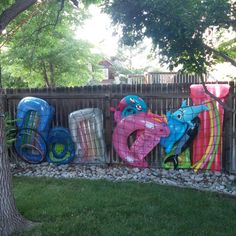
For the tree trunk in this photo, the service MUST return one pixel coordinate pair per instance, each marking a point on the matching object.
(0, 76)
(10, 219)
(45, 75)
(52, 75)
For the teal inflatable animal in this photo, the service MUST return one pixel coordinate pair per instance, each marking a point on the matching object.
(178, 122)
(186, 114)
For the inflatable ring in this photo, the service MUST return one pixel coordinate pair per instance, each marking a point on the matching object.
(129, 105)
(129, 111)
(34, 148)
(30, 145)
(35, 143)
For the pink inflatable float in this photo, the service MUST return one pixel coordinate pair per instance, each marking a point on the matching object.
(207, 147)
(145, 141)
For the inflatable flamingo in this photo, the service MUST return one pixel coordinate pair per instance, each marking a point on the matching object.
(150, 136)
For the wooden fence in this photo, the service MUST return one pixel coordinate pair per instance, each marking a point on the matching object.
(164, 78)
(159, 97)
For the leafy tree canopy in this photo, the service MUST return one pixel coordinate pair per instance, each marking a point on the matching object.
(44, 51)
(179, 28)
(11, 9)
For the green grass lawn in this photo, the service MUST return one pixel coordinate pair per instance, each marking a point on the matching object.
(83, 207)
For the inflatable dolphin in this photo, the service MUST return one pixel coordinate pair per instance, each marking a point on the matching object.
(184, 142)
(186, 113)
(177, 130)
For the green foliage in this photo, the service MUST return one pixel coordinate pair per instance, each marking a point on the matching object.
(229, 48)
(177, 27)
(10, 129)
(45, 52)
(83, 207)
(9, 81)
(4, 4)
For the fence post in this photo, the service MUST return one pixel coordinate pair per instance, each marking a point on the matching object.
(108, 126)
(227, 151)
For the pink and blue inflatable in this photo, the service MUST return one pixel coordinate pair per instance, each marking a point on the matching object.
(132, 117)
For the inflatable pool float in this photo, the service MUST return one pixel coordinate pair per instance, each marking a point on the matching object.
(34, 117)
(179, 122)
(61, 148)
(129, 105)
(150, 133)
(180, 154)
(206, 153)
(86, 128)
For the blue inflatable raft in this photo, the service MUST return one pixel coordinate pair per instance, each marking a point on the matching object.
(61, 149)
(34, 116)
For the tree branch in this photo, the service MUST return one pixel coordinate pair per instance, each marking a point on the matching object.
(20, 6)
(11, 33)
(53, 24)
(221, 54)
(13, 11)
(52, 74)
(227, 108)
